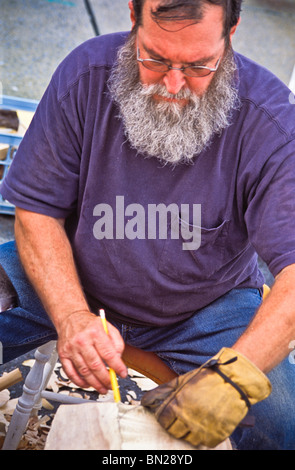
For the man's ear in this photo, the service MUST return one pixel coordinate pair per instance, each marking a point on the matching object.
(132, 14)
(233, 29)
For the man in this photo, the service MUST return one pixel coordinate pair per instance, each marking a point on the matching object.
(174, 127)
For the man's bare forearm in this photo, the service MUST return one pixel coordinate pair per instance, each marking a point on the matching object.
(83, 346)
(266, 342)
(47, 258)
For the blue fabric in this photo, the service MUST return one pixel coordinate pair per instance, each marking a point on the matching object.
(27, 326)
(75, 156)
(183, 346)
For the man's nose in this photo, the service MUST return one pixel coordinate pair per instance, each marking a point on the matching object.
(174, 81)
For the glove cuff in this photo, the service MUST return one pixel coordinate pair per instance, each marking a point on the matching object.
(242, 374)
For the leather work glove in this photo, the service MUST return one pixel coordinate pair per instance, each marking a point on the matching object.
(204, 406)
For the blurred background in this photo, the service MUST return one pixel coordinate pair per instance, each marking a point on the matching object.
(35, 35)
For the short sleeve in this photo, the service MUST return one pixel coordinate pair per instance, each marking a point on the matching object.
(270, 214)
(44, 175)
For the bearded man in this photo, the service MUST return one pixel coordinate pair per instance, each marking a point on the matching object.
(158, 164)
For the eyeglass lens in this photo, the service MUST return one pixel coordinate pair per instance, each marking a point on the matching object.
(161, 68)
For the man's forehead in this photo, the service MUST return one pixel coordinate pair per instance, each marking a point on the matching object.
(204, 37)
(155, 4)
(157, 9)
(174, 20)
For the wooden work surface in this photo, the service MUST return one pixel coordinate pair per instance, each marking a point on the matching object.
(112, 426)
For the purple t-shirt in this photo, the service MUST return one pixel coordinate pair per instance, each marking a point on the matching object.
(75, 162)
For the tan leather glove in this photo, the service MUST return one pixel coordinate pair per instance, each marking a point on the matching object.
(205, 406)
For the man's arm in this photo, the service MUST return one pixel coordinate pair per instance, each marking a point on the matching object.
(83, 346)
(266, 341)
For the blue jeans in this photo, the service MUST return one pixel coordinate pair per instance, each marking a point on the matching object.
(183, 347)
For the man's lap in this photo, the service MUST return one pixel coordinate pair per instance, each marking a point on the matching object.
(189, 344)
(183, 346)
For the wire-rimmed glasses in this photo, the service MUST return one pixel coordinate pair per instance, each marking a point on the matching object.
(189, 70)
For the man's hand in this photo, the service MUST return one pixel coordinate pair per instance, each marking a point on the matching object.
(85, 350)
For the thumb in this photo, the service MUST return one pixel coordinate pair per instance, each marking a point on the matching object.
(154, 398)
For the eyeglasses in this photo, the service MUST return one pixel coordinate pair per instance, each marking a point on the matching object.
(190, 70)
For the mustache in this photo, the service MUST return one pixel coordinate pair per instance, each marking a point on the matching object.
(161, 90)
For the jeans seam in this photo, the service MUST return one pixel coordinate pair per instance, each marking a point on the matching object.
(171, 363)
(124, 331)
(33, 340)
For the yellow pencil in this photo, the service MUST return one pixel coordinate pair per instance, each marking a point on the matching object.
(113, 377)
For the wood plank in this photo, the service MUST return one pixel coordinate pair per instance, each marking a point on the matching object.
(10, 379)
(112, 426)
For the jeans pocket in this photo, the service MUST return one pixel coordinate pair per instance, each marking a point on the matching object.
(187, 266)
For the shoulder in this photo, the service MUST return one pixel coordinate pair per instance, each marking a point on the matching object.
(95, 54)
(265, 97)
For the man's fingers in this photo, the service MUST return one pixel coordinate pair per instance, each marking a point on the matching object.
(91, 367)
(117, 344)
(109, 347)
(78, 371)
(111, 357)
(72, 373)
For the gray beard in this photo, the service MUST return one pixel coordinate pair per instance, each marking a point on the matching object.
(171, 132)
